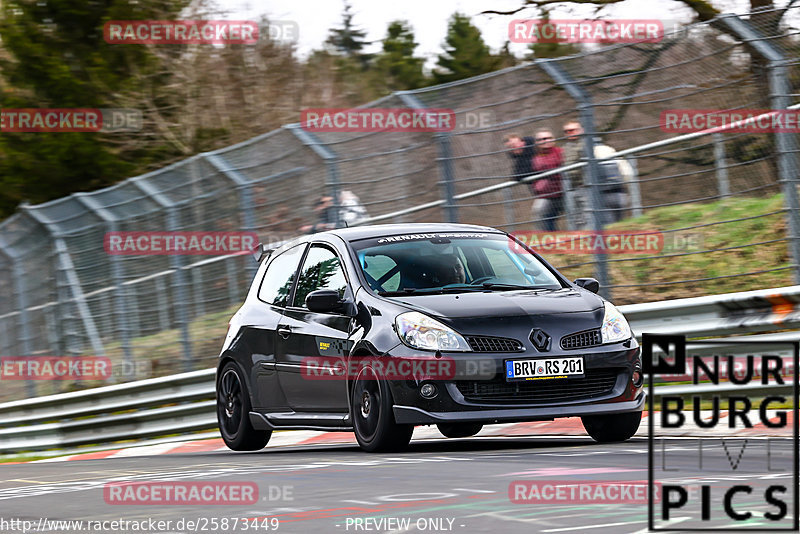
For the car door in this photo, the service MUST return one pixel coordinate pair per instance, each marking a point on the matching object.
(305, 336)
(273, 296)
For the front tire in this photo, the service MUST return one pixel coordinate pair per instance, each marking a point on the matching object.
(371, 412)
(459, 430)
(233, 412)
(612, 427)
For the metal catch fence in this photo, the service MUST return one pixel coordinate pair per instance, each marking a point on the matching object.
(724, 202)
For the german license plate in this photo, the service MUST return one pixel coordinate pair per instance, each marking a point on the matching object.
(544, 369)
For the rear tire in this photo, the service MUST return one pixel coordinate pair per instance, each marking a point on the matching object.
(373, 419)
(233, 412)
(612, 427)
(459, 430)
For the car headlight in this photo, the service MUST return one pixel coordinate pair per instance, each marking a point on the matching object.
(419, 331)
(615, 326)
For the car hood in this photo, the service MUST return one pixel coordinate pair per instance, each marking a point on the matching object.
(513, 314)
(504, 303)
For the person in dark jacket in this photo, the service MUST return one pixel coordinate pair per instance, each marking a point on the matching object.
(521, 151)
(548, 203)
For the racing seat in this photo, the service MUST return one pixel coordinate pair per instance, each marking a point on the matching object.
(414, 275)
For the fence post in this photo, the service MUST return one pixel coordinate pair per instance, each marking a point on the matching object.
(180, 302)
(785, 142)
(123, 297)
(635, 188)
(331, 163)
(163, 306)
(244, 187)
(445, 159)
(66, 265)
(594, 178)
(723, 186)
(508, 207)
(23, 330)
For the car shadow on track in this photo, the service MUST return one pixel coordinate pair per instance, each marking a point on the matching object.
(442, 446)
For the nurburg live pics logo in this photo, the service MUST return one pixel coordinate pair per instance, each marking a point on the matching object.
(746, 482)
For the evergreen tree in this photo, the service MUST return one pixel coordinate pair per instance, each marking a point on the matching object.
(396, 65)
(348, 40)
(506, 57)
(465, 53)
(551, 50)
(54, 56)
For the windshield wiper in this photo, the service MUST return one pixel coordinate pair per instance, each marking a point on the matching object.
(430, 291)
(493, 285)
(404, 291)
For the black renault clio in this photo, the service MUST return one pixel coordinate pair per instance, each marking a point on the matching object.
(377, 329)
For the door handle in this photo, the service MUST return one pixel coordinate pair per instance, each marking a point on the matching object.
(284, 331)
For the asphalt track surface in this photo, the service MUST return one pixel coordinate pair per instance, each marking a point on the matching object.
(455, 485)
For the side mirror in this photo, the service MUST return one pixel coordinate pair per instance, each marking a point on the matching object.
(328, 301)
(590, 284)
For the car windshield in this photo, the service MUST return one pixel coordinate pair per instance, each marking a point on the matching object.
(450, 262)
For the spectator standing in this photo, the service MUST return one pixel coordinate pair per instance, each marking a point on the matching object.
(614, 173)
(351, 211)
(521, 151)
(548, 201)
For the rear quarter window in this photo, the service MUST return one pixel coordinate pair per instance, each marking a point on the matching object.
(278, 280)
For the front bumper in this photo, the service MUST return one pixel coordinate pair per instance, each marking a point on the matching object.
(417, 416)
(487, 398)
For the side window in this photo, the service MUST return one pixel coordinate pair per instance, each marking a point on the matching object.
(321, 270)
(378, 267)
(279, 277)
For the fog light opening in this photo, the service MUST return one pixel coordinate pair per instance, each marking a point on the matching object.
(428, 391)
(637, 377)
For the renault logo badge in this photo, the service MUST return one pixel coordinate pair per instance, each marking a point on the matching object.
(540, 339)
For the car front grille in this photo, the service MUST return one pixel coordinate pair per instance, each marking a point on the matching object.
(494, 344)
(597, 382)
(581, 340)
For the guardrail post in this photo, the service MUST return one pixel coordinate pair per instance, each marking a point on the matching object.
(594, 178)
(723, 186)
(786, 144)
